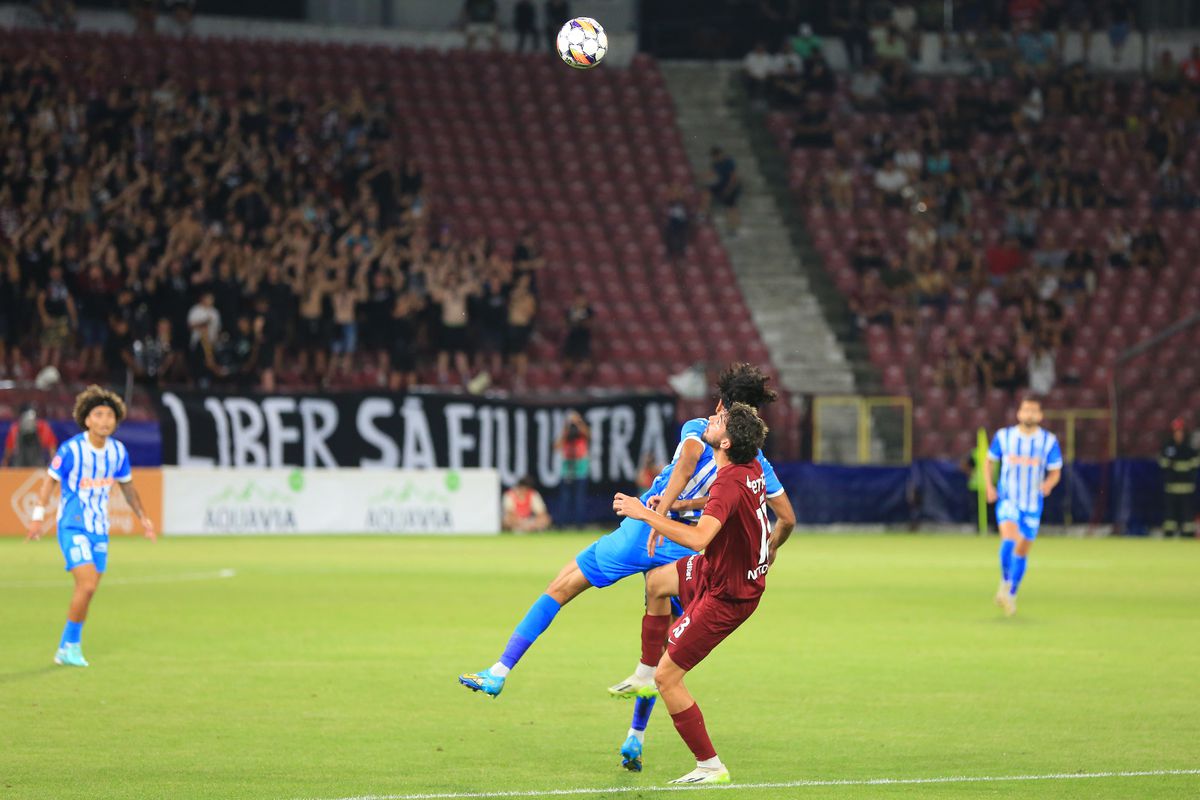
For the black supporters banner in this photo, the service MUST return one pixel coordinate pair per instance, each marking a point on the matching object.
(413, 431)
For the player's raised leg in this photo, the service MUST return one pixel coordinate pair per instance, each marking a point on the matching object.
(661, 585)
(568, 585)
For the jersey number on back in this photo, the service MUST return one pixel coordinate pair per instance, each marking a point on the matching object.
(764, 549)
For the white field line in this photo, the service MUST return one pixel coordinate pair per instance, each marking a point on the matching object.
(180, 577)
(1061, 776)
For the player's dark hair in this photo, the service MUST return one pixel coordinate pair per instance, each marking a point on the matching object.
(746, 433)
(1029, 398)
(94, 396)
(744, 383)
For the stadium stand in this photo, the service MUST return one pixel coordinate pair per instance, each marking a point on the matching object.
(480, 135)
(958, 260)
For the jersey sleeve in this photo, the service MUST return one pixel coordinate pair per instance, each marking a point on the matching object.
(995, 452)
(536, 504)
(721, 498)
(693, 429)
(1054, 459)
(124, 473)
(773, 487)
(506, 502)
(61, 463)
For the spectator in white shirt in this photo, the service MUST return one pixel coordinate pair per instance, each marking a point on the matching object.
(891, 181)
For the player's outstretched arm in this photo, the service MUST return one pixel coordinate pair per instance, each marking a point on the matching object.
(693, 537)
(37, 523)
(135, 502)
(689, 456)
(1053, 476)
(785, 522)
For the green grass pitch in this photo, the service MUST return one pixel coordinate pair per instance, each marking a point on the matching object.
(325, 668)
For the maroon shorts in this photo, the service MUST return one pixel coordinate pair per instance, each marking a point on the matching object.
(706, 619)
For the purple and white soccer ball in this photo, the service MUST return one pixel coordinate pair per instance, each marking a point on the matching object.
(582, 43)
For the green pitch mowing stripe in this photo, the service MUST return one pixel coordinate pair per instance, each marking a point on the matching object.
(327, 667)
(1067, 776)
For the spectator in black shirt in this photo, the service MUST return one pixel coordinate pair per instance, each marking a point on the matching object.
(556, 14)
(525, 24)
(577, 347)
(118, 354)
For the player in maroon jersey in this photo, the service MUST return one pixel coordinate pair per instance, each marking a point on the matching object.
(720, 589)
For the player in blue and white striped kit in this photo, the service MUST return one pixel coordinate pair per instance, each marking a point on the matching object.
(1030, 467)
(87, 465)
(623, 552)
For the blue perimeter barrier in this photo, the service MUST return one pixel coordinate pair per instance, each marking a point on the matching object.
(1128, 492)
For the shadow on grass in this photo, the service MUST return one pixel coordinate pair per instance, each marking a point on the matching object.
(26, 674)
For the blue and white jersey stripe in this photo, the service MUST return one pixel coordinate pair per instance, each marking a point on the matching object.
(1024, 461)
(705, 472)
(86, 475)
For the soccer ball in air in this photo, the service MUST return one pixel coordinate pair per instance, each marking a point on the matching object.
(582, 43)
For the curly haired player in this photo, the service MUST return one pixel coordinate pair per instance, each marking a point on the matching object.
(87, 465)
(719, 589)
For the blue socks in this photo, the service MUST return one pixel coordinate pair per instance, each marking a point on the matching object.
(71, 634)
(536, 620)
(642, 706)
(1007, 546)
(1018, 572)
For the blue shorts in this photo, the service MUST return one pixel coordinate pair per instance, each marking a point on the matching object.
(623, 553)
(80, 547)
(1027, 523)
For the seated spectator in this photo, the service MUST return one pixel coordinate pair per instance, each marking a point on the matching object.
(30, 441)
(909, 159)
(182, 13)
(921, 238)
(678, 222)
(1004, 259)
(904, 18)
(892, 184)
(524, 509)
(1147, 248)
(871, 303)
(812, 127)
(757, 69)
(1118, 241)
(1036, 47)
(1166, 75)
(866, 89)
(993, 53)
(1049, 254)
(724, 188)
(1190, 68)
(648, 470)
(1160, 144)
(479, 19)
(900, 90)
(806, 44)
(1173, 190)
(889, 46)
(58, 14)
(787, 87)
(839, 183)
(868, 253)
(818, 76)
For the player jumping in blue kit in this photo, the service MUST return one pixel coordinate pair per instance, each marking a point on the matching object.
(1030, 467)
(87, 465)
(623, 552)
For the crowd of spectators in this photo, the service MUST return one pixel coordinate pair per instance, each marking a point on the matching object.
(917, 156)
(173, 234)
